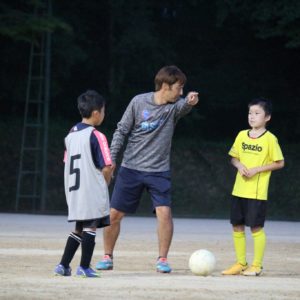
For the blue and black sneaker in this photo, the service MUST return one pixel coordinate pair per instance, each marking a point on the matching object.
(62, 271)
(88, 272)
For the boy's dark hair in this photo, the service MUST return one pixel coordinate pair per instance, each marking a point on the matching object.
(169, 75)
(266, 105)
(88, 102)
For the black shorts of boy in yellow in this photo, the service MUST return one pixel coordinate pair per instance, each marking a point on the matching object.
(249, 212)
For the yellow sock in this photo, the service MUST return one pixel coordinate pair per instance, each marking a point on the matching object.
(239, 240)
(259, 239)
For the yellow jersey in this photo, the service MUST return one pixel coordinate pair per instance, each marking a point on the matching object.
(254, 152)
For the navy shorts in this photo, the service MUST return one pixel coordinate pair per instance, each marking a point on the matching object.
(130, 185)
(249, 212)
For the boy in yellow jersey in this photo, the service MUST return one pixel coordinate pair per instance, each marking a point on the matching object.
(255, 153)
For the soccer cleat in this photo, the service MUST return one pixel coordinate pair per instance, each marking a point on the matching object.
(162, 265)
(235, 269)
(252, 271)
(105, 264)
(62, 271)
(89, 272)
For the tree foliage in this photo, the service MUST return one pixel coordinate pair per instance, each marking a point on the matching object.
(23, 23)
(231, 52)
(268, 19)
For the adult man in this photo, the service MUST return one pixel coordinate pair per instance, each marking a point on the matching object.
(148, 122)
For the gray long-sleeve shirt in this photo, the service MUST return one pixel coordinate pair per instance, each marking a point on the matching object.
(149, 128)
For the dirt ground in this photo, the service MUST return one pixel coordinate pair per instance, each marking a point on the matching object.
(31, 245)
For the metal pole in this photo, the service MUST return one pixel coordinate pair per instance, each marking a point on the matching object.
(46, 113)
(24, 129)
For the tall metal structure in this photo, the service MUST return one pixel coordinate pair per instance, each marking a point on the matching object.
(32, 176)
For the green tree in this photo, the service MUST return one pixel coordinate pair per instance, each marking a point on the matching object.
(23, 22)
(278, 18)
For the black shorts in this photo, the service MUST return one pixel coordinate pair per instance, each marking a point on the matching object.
(249, 212)
(98, 223)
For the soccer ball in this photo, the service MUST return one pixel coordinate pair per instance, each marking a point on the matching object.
(202, 262)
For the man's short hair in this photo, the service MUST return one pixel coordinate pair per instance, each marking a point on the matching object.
(169, 75)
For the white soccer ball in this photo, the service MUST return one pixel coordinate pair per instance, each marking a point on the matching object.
(202, 262)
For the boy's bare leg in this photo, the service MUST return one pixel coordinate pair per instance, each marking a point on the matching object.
(111, 233)
(164, 229)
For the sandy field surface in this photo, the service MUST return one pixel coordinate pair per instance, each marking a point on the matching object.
(31, 246)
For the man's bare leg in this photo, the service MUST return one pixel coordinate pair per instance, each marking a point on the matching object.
(164, 229)
(111, 233)
(110, 236)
